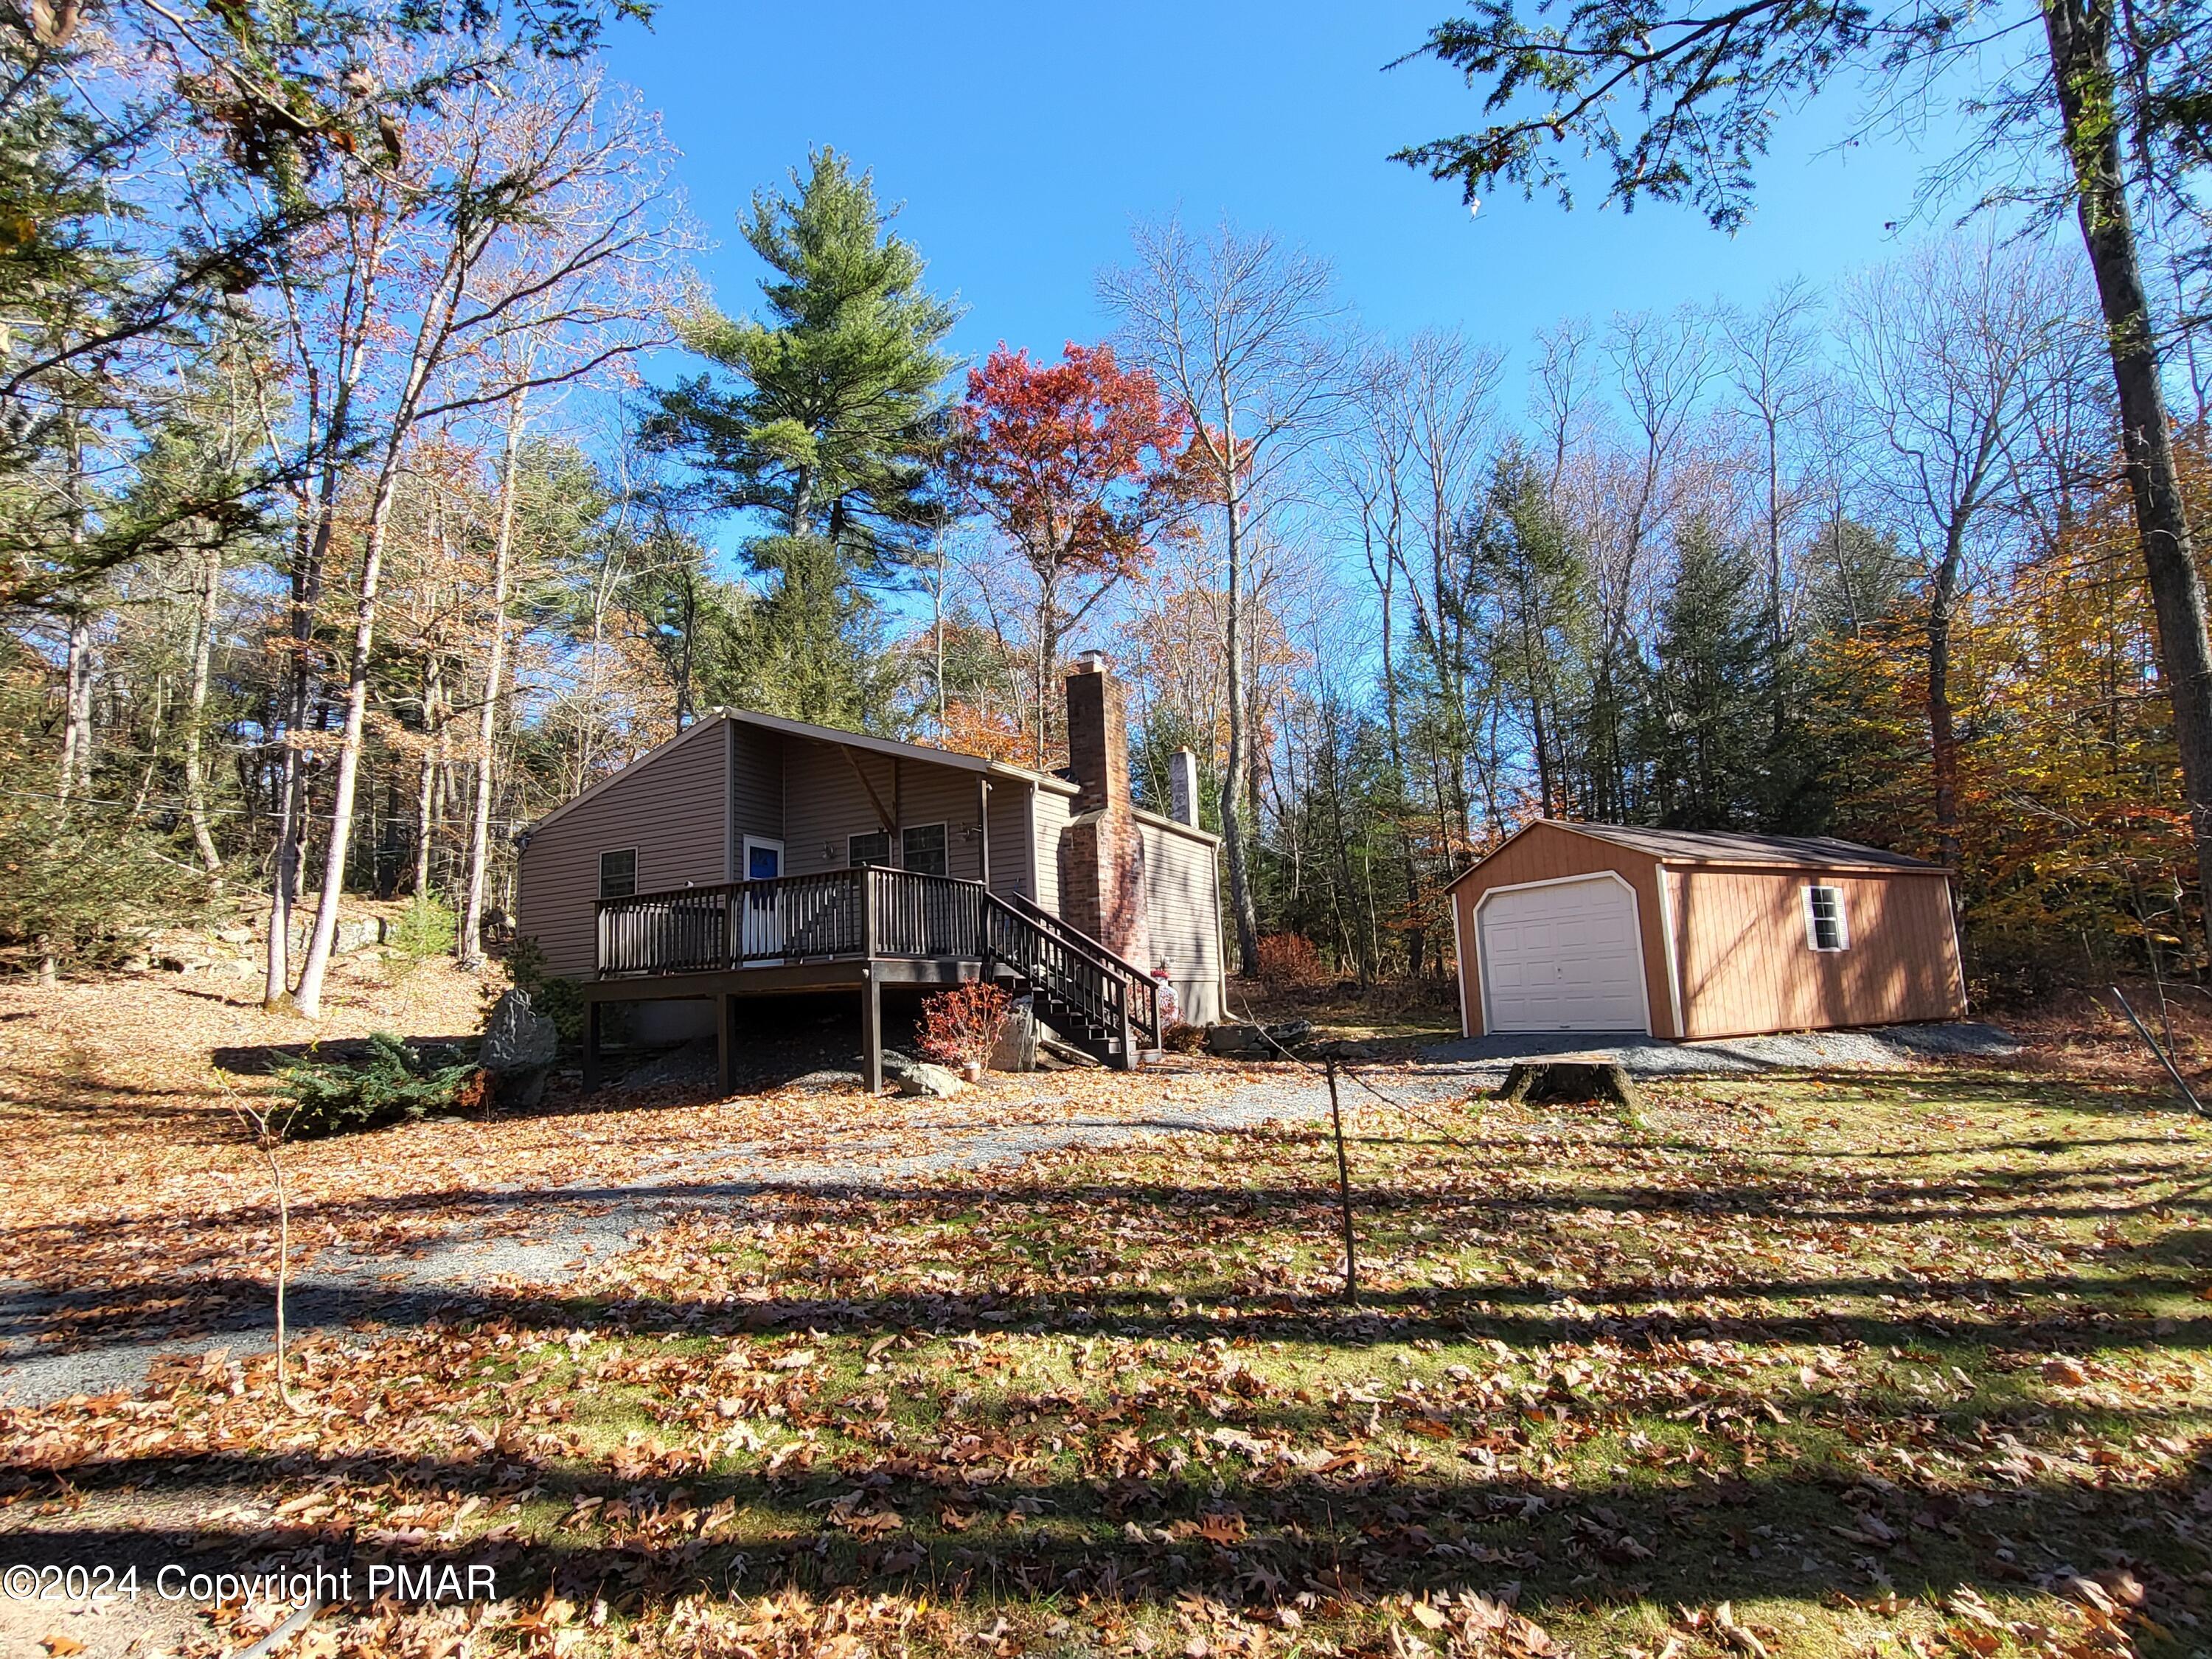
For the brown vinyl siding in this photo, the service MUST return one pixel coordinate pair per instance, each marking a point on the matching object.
(1050, 824)
(669, 804)
(1544, 853)
(1182, 909)
(1747, 966)
(1014, 855)
(756, 789)
(825, 804)
(1731, 937)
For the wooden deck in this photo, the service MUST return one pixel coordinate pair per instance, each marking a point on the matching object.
(861, 930)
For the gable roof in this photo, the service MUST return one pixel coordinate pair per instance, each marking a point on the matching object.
(714, 718)
(920, 751)
(1728, 847)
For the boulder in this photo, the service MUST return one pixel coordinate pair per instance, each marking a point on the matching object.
(1344, 1048)
(518, 1050)
(1016, 1048)
(932, 1082)
(1258, 1042)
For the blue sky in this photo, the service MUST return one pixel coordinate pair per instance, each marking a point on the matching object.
(1025, 139)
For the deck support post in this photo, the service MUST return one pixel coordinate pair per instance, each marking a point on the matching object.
(983, 832)
(725, 1044)
(591, 1046)
(872, 1030)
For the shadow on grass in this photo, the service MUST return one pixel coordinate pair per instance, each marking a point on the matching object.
(968, 1513)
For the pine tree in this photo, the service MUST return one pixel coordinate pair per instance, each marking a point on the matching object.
(1706, 708)
(825, 420)
(1524, 560)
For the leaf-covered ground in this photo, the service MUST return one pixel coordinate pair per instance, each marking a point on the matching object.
(1911, 1365)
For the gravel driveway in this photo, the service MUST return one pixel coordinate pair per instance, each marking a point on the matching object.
(1883, 1048)
(574, 1229)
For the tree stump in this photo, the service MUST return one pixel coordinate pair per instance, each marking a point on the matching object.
(1586, 1078)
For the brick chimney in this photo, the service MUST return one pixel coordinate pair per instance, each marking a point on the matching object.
(1101, 881)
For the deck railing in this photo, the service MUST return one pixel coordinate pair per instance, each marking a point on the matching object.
(869, 913)
(733, 924)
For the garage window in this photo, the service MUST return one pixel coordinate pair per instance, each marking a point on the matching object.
(1825, 929)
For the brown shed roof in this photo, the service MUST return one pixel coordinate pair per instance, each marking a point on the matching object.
(1727, 847)
(1730, 848)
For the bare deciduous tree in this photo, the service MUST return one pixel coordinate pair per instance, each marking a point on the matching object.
(1947, 349)
(1246, 333)
(534, 209)
(1773, 365)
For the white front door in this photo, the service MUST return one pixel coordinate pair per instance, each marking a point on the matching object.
(761, 927)
(1562, 957)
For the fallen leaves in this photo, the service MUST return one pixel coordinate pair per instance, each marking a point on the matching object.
(1791, 1347)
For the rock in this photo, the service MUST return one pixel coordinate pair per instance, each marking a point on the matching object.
(1342, 1049)
(1016, 1048)
(1258, 1042)
(235, 935)
(932, 1082)
(518, 1050)
(1066, 1054)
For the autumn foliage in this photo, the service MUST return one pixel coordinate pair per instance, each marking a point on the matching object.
(1082, 467)
(960, 1027)
(1078, 462)
(2073, 834)
(1290, 959)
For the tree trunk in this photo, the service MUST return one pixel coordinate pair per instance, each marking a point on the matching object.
(1777, 646)
(1233, 774)
(2080, 33)
(309, 996)
(1942, 743)
(471, 939)
(76, 706)
(196, 801)
(1046, 598)
(426, 807)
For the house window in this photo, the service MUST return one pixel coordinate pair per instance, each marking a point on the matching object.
(618, 873)
(923, 849)
(874, 848)
(1824, 918)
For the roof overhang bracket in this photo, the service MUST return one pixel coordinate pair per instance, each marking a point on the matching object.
(884, 814)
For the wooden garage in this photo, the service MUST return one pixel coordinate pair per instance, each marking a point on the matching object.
(1604, 929)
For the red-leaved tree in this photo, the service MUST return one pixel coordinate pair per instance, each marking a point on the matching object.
(1081, 465)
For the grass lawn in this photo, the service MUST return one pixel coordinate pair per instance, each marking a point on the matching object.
(1801, 1365)
(1788, 1365)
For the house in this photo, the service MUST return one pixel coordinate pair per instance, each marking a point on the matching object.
(1598, 927)
(751, 855)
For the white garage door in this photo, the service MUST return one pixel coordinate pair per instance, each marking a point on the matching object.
(1565, 957)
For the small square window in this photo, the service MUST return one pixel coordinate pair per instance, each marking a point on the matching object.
(1824, 918)
(874, 848)
(923, 849)
(618, 873)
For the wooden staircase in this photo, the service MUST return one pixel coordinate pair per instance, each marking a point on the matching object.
(1098, 1001)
